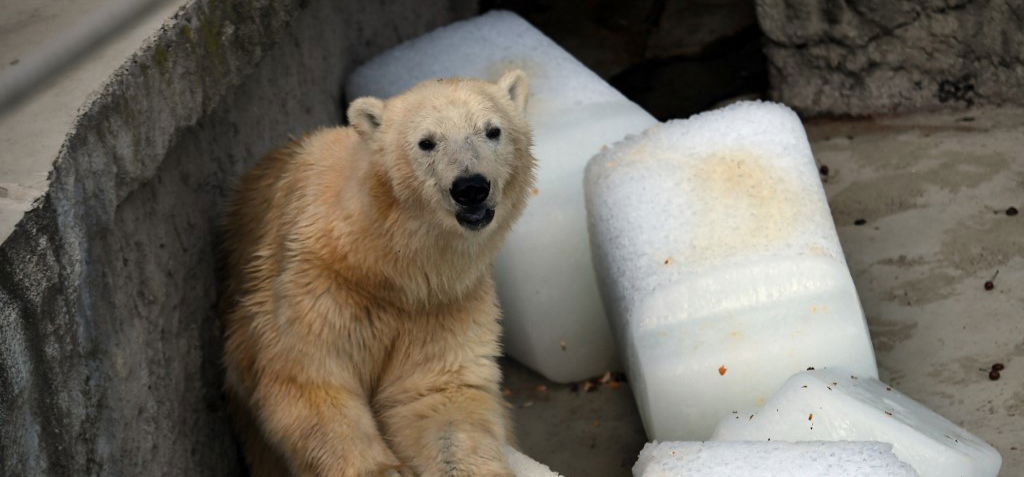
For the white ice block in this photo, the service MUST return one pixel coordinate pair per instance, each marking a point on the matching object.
(770, 459)
(834, 404)
(719, 265)
(553, 318)
(524, 466)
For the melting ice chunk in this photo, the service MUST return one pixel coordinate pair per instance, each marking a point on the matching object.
(770, 459)
(834, 404)
(719, 265)
(553, 318)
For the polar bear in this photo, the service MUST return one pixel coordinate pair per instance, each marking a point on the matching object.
(361, 319)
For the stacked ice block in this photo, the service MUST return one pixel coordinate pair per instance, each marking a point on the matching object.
(834, 404)
(719, 265)
(524, 466)
(770, 459)
(554, 321)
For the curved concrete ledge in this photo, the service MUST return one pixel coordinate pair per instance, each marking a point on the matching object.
(33, 36)
(109, 345)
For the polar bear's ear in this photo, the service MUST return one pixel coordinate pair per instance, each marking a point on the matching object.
(366, 114)
(515, 83)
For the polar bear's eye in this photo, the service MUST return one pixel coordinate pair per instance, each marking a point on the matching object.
(427, 145)
(493, 133)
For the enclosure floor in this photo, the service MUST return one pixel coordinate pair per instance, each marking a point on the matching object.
(933, 190)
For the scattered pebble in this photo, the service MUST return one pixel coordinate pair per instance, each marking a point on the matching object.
(991, 283)
(1011, 211)
(541, 388)
(993, 375)
(823, 170)
(609, 379)
(860, 222)
(998, 367)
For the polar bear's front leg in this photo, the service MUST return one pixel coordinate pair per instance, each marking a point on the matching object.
(323, 429)
(458, 431)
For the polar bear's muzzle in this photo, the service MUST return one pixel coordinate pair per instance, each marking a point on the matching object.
(470, 193)
(474, 218)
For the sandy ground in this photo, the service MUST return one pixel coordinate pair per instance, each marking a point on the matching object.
(933, 190)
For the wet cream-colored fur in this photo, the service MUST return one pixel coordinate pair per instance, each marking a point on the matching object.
(361, 319)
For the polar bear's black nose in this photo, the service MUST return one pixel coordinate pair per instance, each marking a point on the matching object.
(470, 190)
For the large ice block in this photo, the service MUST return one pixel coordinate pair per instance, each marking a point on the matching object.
(770, 459)
(524, 466)
(834, 404)
(719, 265)
(554, 321)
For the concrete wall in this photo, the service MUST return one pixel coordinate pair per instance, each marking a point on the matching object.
(861, 57)
(109, 343)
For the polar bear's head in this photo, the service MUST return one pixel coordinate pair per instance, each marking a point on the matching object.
(458, 148)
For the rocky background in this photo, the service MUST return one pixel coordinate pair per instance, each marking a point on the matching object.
(863, 57)
(821, 57)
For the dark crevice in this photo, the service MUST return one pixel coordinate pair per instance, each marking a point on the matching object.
(678, 87)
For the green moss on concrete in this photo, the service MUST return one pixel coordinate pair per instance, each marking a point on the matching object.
(161, 57)
(186, 33)
(211, 26)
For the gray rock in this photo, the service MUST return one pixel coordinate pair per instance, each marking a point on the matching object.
(861, 57)
(109, 341)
